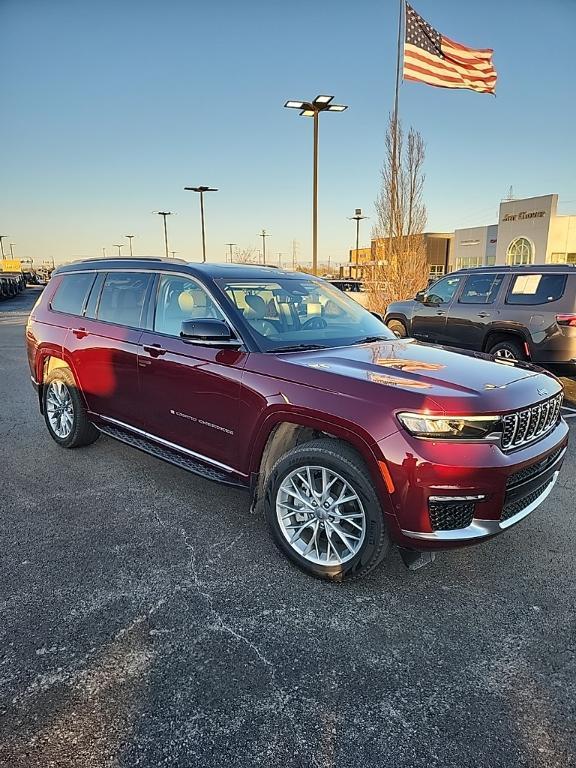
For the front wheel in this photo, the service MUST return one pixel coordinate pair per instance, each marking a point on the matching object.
(398, 328)
(324, 513)
(507, 350)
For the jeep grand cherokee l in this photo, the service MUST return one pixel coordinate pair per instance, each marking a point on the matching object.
(518, 313)
(348, 438)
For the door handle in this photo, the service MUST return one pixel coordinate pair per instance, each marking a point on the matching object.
(483, 314)
(440, 312)
(154, 349)
(80, 332)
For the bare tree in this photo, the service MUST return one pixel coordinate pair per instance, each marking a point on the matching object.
(246, 256)
(399, 267)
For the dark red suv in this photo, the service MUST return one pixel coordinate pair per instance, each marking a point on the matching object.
(346, 436)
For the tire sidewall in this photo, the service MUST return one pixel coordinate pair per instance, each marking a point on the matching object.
(509, 345)
(66, 378)
(376, 542)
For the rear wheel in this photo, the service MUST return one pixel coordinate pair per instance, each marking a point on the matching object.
(324, 513)
(64, 411)
(506, 349)
(398, 328)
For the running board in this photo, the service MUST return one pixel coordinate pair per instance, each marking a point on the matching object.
(171, 456)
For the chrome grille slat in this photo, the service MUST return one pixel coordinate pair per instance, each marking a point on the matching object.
(529, 424)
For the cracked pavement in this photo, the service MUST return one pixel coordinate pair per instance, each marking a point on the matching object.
(146, 619)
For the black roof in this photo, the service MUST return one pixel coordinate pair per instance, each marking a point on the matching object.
(212, 270)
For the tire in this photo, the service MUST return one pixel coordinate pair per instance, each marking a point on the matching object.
(324, 533)
(397, 327)
(507, 350)
(77, 429)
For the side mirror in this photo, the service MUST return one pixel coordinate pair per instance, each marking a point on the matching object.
(420, 296)
(209, 332)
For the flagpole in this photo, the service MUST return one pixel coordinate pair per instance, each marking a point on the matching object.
(394, 174)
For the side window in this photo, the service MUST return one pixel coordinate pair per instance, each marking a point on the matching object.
(536, 289)
(443, 291)
(180, 298)
(481, 289)
(72, 293)
(122, 298)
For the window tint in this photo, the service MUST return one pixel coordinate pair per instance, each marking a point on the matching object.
(72, 292)
(180, 298)
(443, 291)
(122, 298)
(481, 289)
(536, 289)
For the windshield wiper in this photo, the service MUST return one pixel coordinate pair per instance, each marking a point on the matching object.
(298, 348)
(370, 339)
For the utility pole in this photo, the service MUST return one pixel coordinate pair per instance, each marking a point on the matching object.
(264, 235)
(230, 246)
(2, 245)
(130, 241)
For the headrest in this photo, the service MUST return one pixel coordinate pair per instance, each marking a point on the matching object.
(186, 301)
(256, 304)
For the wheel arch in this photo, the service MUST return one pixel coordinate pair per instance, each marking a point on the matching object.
(283, 431)
(496, 334)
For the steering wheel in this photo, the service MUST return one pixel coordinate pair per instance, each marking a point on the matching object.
(315, 322)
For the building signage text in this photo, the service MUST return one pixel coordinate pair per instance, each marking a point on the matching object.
(524, 215)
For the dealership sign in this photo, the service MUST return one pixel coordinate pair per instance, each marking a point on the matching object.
(524, 215)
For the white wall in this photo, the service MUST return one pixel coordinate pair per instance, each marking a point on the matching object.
(529, 218)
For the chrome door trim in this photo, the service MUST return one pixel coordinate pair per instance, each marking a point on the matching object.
(173, 446)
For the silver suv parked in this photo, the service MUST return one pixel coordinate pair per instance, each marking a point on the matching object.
(516, 313)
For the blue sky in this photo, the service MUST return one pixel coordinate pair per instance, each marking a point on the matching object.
(110, 108)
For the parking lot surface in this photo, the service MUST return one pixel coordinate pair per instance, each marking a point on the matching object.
(146, 619)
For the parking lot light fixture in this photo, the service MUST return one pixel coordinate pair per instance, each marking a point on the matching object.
(164, 214)
(130, 241)
(2, 245)
(230, 245)
(201, 191)
(321, 103)
(119, 246)
(357, 218)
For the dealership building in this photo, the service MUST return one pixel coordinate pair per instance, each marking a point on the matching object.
(529, 231)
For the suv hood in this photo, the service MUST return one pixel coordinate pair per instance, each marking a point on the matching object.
(470, 380)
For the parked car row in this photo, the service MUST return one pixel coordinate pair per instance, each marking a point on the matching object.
(11, 283)
(515, 313)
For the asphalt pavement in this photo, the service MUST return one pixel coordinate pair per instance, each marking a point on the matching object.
(146, 619)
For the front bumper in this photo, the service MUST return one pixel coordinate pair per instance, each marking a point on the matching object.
(496, 490)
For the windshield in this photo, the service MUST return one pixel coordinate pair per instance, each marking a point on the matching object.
(301, 312)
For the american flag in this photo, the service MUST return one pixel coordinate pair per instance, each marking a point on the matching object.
(434, 59)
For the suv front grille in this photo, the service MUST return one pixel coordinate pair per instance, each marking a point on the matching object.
(532, 470)
(514, 507)
(525, 426)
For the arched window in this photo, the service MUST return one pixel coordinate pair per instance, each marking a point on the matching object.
(520, 251)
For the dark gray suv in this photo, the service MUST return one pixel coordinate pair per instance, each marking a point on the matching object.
(518, 313)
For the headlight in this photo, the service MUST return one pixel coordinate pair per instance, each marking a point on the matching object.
(449, 427)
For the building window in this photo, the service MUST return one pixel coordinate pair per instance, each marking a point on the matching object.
(520, 251)
(436, 270)
(468, 262)
(571, 258)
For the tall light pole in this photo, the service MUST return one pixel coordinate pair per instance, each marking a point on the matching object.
(173, 253)
(11, 250)
(119, 246)
(2, 245)
(201, 190)
(358, 218)
(313, 109)
(264, 235)
(164, 214)
(103, 251)
(230, 246)
(280, 260)
(130, 241)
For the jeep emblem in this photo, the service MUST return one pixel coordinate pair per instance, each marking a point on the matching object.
(542, 392)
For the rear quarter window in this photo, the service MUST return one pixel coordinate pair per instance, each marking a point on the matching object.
(72, 293)
(536, 288)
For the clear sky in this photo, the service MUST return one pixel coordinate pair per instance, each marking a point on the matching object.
(110, 107)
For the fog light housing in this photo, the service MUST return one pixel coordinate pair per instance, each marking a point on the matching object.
(449, 513)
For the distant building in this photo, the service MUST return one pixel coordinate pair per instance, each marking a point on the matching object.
(529, 231)
(438, 248)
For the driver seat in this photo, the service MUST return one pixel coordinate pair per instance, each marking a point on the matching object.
(255, 314)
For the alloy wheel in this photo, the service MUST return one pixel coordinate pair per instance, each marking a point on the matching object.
(60, 409)
(505, 354)
(320, 515)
